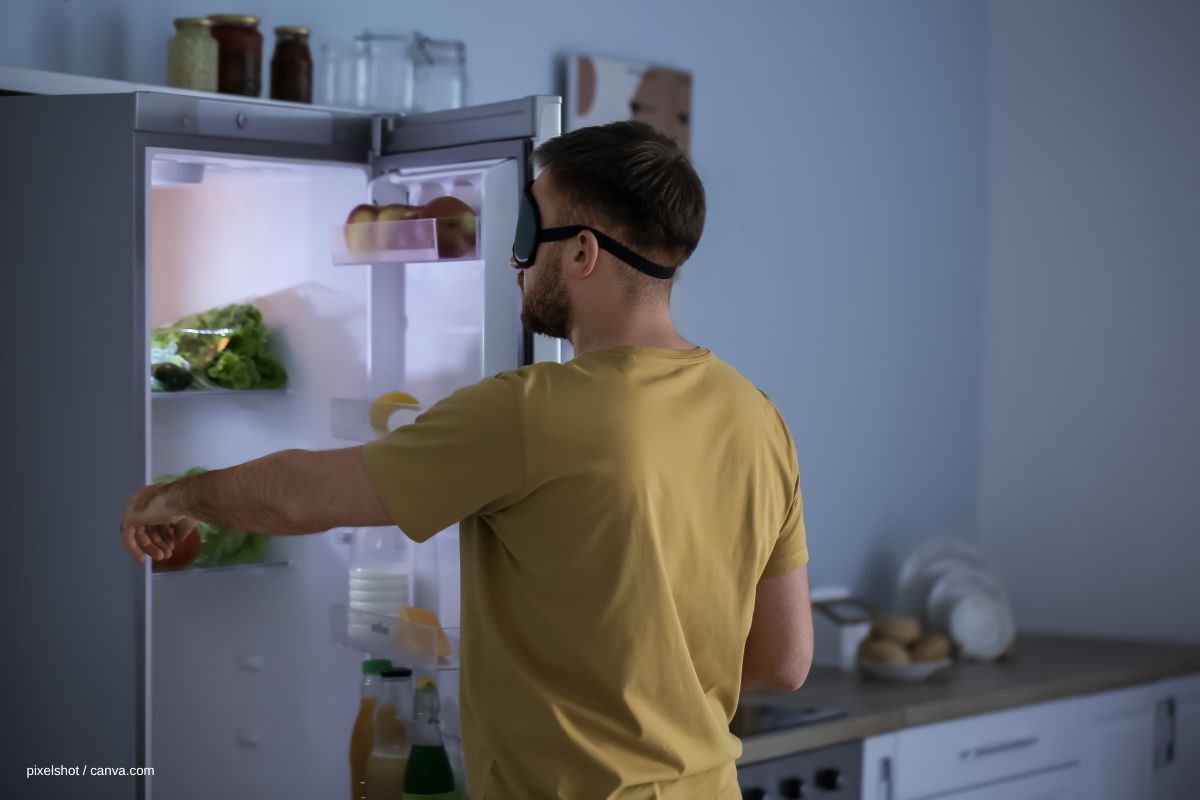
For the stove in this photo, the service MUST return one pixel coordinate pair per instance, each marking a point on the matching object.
(829, 773)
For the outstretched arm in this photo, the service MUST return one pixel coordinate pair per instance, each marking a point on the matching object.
(285, 493)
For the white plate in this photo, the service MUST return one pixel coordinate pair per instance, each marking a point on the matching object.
(903, 673)
(981, 626)
(954, 584)
(929, 562)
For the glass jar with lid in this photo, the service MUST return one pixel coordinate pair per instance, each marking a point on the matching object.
(239, 63)
(389, 71)
(292, 66)
(192, 55)
(439, 74)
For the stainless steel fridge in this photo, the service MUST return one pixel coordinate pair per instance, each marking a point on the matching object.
(125, 212)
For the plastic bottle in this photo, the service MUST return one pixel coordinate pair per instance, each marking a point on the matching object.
(380, 565)
(429, 776)
(362, 738)
(389, 755)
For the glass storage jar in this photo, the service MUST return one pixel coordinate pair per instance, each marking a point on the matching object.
(192, 55)
(439, 74)
(292, 66)
(239, 69)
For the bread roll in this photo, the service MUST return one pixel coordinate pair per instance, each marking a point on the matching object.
(884, 650)
(904, 630)
(930, 647)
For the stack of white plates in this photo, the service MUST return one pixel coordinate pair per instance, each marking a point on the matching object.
(952, 586)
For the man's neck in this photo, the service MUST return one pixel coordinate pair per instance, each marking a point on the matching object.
(638, 330)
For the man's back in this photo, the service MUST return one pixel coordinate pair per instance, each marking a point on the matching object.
(621, 510)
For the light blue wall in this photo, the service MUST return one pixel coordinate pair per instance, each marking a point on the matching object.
(1090, 480)
(843, 148)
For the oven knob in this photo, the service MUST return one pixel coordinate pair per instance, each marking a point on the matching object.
(791, 788)
(829, 779)
(754, 794)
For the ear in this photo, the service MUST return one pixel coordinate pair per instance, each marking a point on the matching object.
(580, 255)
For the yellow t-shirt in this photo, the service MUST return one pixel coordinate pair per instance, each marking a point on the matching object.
(617, 512)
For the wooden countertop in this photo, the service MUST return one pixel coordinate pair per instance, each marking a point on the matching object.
(1044, 668)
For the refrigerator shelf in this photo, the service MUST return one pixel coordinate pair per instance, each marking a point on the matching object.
(197, 393)
(409, 644)
(408, 241)
(257, 566)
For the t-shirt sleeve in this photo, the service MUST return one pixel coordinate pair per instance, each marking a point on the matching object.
(464, 456)
(791, 548)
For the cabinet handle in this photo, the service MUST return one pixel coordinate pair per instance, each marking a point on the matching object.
(972, 753)
(1169, 750)
(885, 779)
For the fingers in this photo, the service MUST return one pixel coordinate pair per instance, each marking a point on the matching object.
(150, 541)
(163, 539)
(129, 539)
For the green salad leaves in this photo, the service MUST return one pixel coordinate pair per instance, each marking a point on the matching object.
(223, 347)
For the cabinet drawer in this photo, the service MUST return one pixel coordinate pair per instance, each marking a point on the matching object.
(953, 755)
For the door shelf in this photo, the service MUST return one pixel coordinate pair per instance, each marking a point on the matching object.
(359, 420)
(255, 567)
(198, 393)
(409, 644)
(408, 241)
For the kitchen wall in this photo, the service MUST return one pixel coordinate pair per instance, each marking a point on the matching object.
(1091, 437)
(843, 148)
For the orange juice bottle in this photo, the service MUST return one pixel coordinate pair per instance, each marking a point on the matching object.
(389, 755)
(362, 738)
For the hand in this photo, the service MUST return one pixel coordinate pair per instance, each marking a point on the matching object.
(151, 527)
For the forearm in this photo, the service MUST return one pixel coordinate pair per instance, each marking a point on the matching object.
(272, 495)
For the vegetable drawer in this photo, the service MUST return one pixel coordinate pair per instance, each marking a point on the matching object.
(953, 755)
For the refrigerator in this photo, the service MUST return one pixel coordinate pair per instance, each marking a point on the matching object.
(123, 213)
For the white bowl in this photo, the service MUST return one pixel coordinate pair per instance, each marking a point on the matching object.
(902, 673)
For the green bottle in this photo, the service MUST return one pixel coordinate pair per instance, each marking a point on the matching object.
(428, 775)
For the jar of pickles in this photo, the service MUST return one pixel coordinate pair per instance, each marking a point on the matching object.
(292, 66)
(239, 64)
(192, 55)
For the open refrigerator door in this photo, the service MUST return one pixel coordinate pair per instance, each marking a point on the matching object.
(252, 679)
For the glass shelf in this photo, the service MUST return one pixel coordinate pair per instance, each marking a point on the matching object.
(408, 241)
(197, 393)
(409, 644)
(258, 565)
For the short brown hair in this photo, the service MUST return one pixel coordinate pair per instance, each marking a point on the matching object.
(631, 182)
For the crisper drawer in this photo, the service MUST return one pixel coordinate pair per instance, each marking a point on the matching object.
(954, 755)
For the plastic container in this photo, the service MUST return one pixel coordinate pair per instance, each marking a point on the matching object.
(380, 571)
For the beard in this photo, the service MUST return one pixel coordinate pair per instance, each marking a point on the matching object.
(546, 306)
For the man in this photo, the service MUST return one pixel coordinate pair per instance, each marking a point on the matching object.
(632, 540)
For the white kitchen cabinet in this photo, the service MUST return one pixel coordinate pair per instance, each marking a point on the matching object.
(1176, 710)
(990, 748)
(1058, 784)
(1117, 758)
(878, 767)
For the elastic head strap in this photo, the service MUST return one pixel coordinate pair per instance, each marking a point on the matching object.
(619, 250)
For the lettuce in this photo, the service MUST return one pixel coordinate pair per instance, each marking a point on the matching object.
(227, 346)
(221, 547)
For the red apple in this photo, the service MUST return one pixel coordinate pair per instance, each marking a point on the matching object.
(358, 235)
(182, 556)
(456, 226)
(398, 237)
